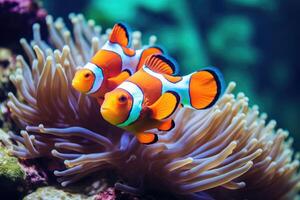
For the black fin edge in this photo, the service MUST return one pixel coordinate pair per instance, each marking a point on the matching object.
(220, 84)
(165, 59)
(172, 126)
(154, 141)
(127, 32)
(177, 102)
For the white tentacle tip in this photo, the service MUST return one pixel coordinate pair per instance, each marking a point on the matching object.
(64, 184)
(68, 163)
(22, 40)
(36, 26)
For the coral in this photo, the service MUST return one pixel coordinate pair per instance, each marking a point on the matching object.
(17, 17)
(9, 167)
(52, 193)
(12, 175)
(108, 194)
(21, 173)
(228, 150)
(35, 176)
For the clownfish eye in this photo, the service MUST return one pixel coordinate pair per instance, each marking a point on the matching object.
(122, 99)
(87, 75)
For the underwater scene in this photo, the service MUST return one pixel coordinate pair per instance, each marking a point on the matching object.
(149, 100)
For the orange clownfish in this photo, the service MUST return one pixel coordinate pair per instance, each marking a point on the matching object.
(148, 98)
(112, 64)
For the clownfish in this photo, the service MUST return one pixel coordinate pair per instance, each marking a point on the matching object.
(112, 64)
(148, 98)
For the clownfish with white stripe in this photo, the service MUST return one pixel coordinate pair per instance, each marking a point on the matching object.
(148, 98)
(112, 64)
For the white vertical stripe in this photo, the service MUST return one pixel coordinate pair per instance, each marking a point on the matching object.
(128, 62)
(137, 98)
(98, 76)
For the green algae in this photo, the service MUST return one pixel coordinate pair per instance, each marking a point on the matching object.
(53, 193)
(10, 169)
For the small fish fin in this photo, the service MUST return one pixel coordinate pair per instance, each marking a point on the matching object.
(148, 52)
(120, 34)
(165, 105)
(117, 80)
(161, 64)
(167, 125)
(206, 86)
(147, 138)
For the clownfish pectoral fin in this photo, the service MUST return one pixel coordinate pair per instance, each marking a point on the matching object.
(206, 86)
(147, 138)
(120, 35)
(146, 53)
(117, 80)
(165, 106)
(161, 64)
(167, 125)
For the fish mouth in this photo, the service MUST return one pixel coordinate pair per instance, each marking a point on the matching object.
(77, 86)
(105, 109)
(107, 114)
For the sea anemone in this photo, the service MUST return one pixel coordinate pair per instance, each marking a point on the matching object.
(228, 151)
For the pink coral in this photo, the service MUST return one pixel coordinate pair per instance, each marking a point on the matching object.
(108, 194)
(34, 175)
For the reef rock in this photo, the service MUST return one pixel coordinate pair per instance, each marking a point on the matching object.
(52, 193)
(12, 176)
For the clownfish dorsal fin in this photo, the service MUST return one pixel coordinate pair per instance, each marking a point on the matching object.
(117, 80)
(165, 106)
(148, 52)
(147, 138)
(120, 35)
(160, 64)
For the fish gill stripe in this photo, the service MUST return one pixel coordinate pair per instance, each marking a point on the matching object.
(97, 71)
(137, 102)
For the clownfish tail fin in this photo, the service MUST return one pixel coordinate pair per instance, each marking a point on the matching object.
(120, 34)
(161, 64)
(205, 88)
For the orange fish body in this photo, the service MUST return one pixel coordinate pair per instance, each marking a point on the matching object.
(112, 64)
(147, 99)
